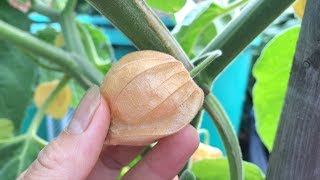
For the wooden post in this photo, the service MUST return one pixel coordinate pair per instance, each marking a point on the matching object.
(296, 152)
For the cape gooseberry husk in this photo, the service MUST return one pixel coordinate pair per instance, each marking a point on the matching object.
(61, 103)
(150, 95)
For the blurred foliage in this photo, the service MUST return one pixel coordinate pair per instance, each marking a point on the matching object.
(17, 73)
(7, 129)
(167, 6)
(218, 169)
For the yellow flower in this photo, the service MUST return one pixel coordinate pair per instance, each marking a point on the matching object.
(60, 105)
(299, 6)
(206, 152)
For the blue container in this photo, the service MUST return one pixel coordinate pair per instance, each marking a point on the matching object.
(229, 87)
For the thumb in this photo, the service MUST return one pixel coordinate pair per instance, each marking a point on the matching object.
(76, 150)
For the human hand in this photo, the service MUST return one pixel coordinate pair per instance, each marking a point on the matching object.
(79, 151)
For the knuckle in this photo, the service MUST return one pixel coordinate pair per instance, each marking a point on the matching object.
(51, 156)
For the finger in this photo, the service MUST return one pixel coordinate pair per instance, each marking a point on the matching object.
(75, 151)
(168, 157)
(112, 160)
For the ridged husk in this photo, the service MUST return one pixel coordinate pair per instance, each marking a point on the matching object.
(151, 95)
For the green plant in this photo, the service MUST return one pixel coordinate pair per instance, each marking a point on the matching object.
(82, 62)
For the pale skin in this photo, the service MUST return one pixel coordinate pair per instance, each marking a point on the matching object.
(79, 151)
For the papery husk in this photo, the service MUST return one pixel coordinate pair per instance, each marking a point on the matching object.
(150, 95)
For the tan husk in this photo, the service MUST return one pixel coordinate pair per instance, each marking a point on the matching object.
(151, 95)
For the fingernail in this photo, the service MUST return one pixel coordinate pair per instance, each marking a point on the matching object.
(85, 111)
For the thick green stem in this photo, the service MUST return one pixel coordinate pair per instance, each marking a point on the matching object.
(206, 62)
(227, 134)
(196, 121)
(74, 43)
(50, 13)
(140, 24)
(64, 59)
(255, 17)
(235, 5)
(42, 110)
(70, 31)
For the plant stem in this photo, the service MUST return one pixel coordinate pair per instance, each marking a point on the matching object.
(140, 24)
(74, 43)
(235, 5)
(70, 31)
(38, 61)
(196, 121)
(50, 13)
(255, 17)
(58, 56)
(70, 6)
(227, 134)
(210, 58)
(41, 111)
(88, 43)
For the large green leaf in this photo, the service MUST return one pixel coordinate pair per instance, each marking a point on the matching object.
(204, 37)
(6, 128)
(198, 25)
(217, 169)
(17, 80)
(168, 6)
(272, 74)
(17, 154)
(17, 72)
(102, 47)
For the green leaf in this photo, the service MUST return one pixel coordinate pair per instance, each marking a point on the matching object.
(48, 34)
(168, 6)
(17, 80)
(17, 154)
(272, 74)
(197, 29)
(17, 72)
(218, 169)
(204, 37)
(101, 42)
(98, 46)
(6, 128)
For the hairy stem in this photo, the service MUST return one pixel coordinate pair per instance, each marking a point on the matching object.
(255, 17)
(50, 13)
(227, 134)
(41, 111)
(140, 24)
(62, 58)
(74, 43)
(206, 62)
(70, 31)
(196, 121)
(235, 5)
(88, 43)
